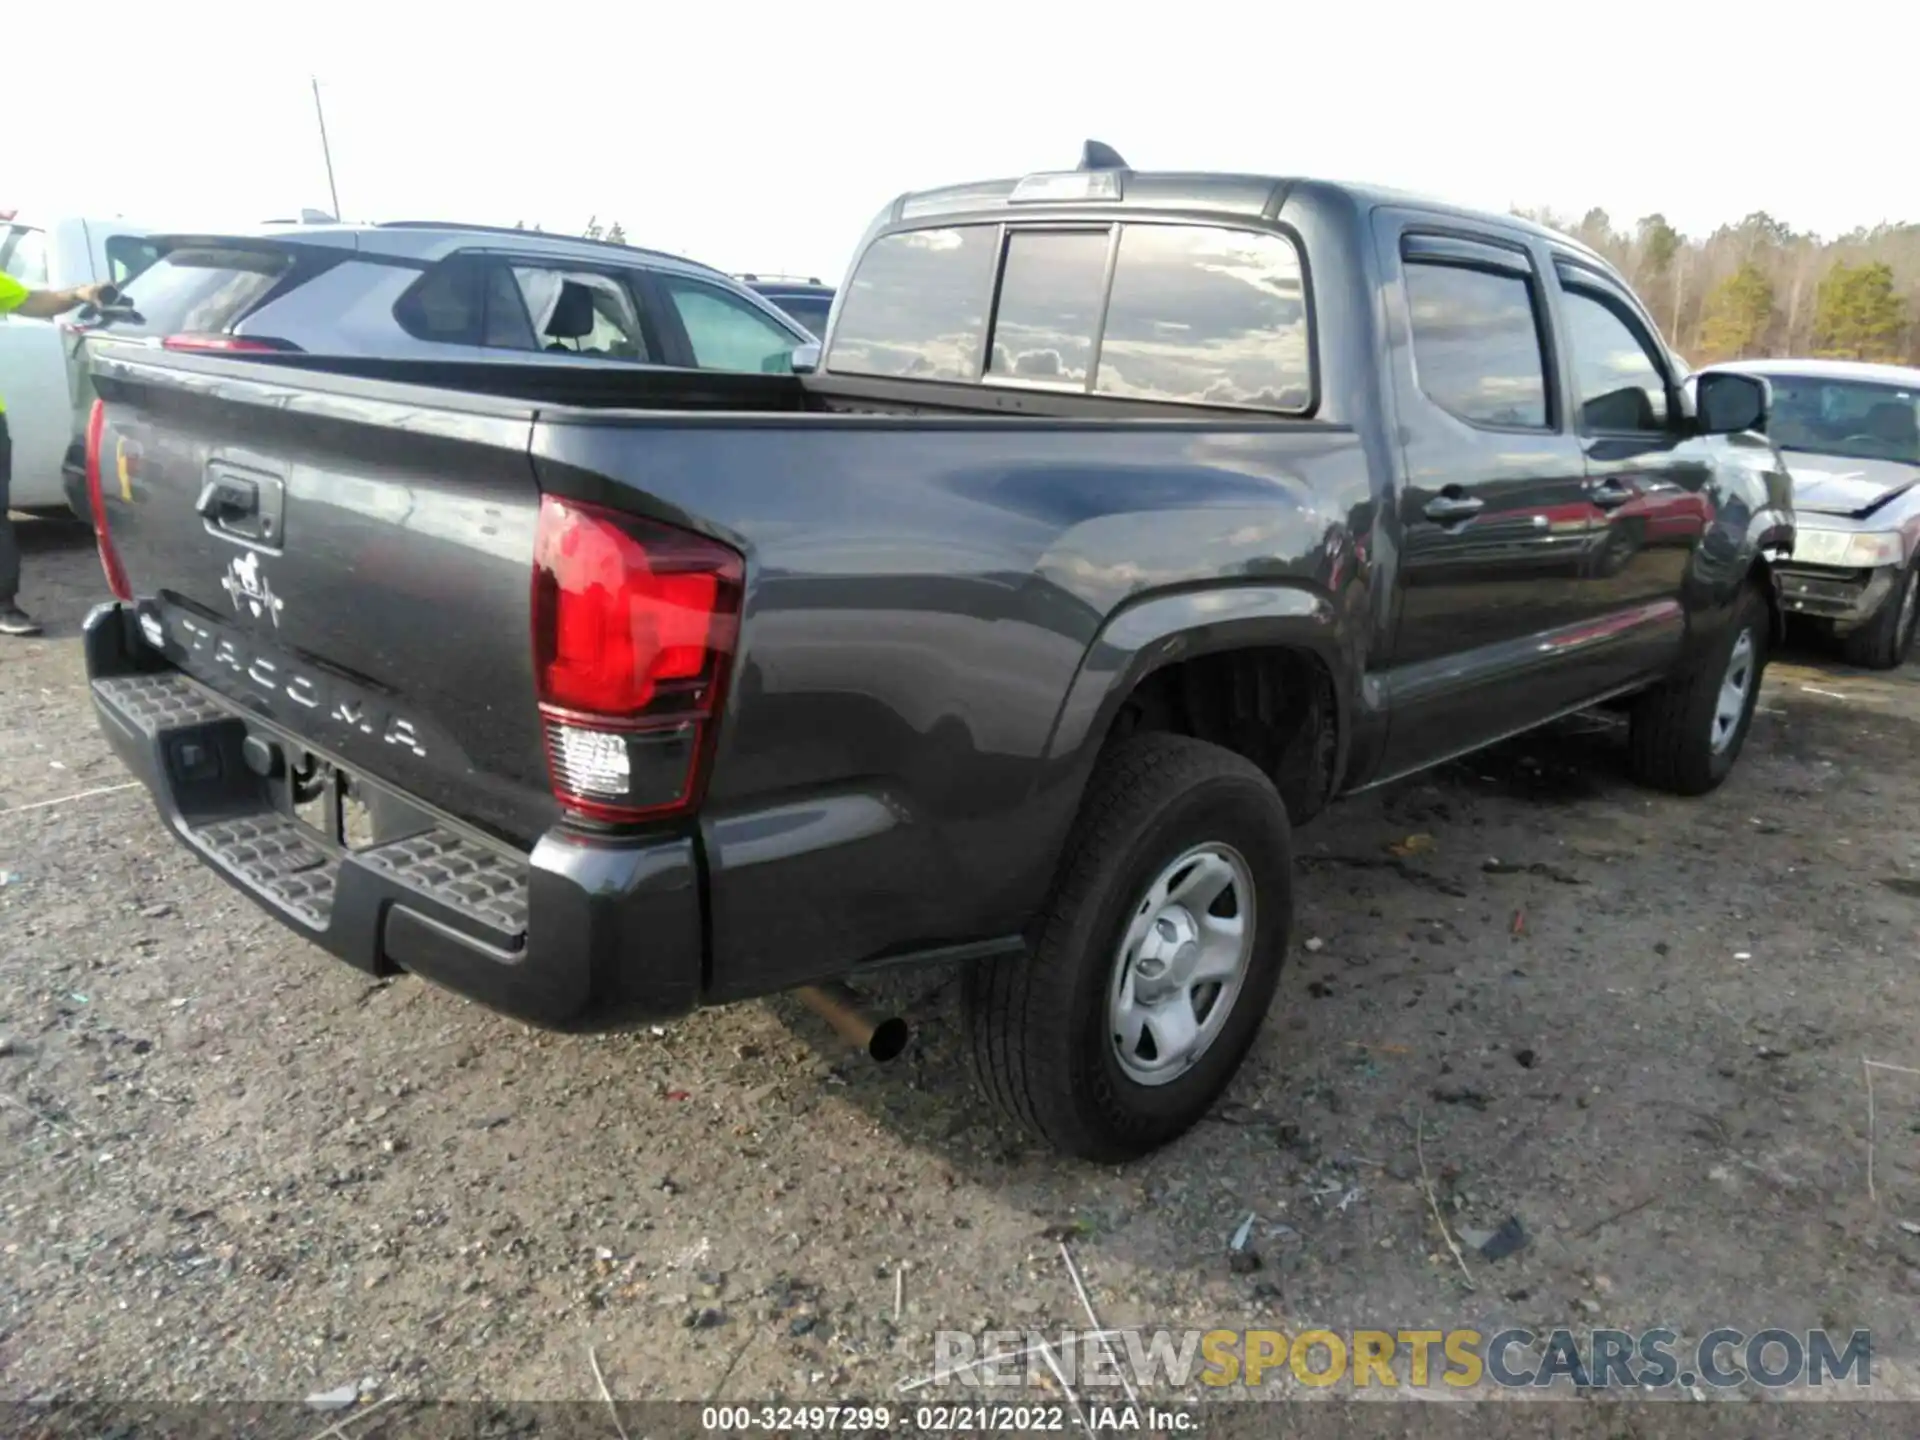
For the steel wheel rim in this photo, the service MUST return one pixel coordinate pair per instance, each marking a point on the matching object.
(1181, 965)
(1735, 686)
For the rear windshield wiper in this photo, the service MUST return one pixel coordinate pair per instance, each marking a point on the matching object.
(97, 316)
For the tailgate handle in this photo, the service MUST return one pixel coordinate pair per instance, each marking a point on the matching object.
(228, 497)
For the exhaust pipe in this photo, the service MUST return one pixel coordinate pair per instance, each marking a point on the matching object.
(840, 1007)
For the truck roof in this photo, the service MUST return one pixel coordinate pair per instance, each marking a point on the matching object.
(1225, 194)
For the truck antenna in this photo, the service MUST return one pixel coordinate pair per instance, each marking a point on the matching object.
(333, 191)
(1096, 156)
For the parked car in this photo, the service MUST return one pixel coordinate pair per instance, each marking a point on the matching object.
(426, 290)
(1127, 521)
(808, 301)
(1850, 433)
(59, 254)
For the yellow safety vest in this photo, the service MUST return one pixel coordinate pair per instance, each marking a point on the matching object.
(12, 292)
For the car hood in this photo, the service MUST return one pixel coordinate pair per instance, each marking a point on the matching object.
(1842, 485)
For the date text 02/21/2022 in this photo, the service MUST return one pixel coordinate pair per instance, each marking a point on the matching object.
(938, 1419)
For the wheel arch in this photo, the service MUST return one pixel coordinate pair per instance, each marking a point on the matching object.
(1267, 645)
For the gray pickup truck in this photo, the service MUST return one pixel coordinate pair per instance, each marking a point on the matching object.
(1126, 520)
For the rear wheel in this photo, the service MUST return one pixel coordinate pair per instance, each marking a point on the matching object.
(1154, 960)
(1685, 735)
(1885, 642)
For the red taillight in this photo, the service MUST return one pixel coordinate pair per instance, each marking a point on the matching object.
(634, 626)
(109, 557)
(228, 344)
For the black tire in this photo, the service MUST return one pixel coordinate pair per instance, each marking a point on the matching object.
(1671, 736)
(1885, 642)
(1625, 539)
(1038, 1023)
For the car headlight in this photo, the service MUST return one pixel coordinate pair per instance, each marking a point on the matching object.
(1848, 549)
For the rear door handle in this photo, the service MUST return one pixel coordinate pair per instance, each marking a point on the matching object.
(1608, 495)
(1446, 509)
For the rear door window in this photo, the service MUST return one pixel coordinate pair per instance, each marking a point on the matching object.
(581, 312)
(917, 306)
(1476, 344)
(724, 332)
(203, 291)
(1051, 287)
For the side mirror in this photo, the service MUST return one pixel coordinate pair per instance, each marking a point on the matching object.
(806, 358)
(1728, 403)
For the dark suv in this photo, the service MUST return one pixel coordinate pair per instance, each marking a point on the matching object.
(431, 290)
(808, 301)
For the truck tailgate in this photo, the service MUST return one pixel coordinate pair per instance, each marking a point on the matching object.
(356, 571)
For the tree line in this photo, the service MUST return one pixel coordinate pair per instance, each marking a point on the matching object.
(1761, 288)
(615, 232)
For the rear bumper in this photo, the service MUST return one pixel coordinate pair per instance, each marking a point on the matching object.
(582, 934)
(1846, 597)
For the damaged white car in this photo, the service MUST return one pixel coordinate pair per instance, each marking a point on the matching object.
(1850, 433)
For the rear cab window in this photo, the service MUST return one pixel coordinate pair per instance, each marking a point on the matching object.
(1141, 309)
(1051, 287)
(917, 306)
(1208, 316)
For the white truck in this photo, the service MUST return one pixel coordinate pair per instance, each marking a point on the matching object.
(35, 380)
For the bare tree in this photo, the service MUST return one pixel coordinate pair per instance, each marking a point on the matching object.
(1752, 287)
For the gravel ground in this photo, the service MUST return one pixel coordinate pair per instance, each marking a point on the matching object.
(234, 1168)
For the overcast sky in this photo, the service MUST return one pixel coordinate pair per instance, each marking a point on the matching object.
(765, 138)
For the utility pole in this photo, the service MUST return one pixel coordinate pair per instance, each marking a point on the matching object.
(326, 150)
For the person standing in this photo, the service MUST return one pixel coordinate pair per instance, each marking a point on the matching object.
(18, 299)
